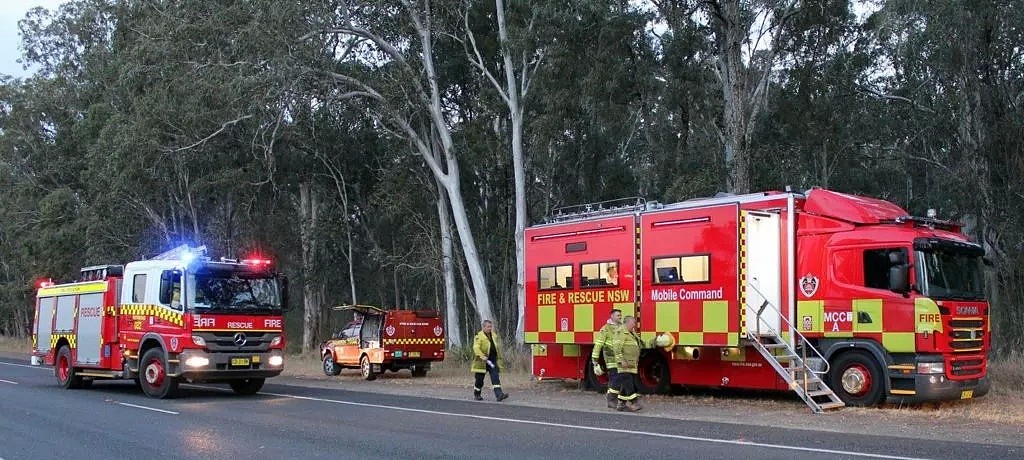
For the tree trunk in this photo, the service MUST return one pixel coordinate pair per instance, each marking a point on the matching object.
(312, 294)
(473, 263)
(448, 272)
(450, 177)
(351, 261)
(731, 35)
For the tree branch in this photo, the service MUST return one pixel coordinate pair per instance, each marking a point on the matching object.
(214, 134)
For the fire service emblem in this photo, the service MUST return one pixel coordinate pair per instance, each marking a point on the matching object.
(809, 285)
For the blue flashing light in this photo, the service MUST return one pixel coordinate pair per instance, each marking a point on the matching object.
(187, 257)
(183, 254)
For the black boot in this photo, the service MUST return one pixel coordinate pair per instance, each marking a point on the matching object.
(613, 400)
(500, 395)
(476, 395)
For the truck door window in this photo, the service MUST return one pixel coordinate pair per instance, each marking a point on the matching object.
(876, 267)
(682, 269)
(555, 277)
(599, 274)
(139, 289)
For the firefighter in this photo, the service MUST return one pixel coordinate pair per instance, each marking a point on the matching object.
(626, 347)
(603, 347)
(487, 360)
(612, 275)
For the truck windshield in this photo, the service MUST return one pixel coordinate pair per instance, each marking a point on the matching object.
(234, 292)
(949, 273)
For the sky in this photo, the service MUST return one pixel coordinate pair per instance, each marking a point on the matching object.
(12, 11)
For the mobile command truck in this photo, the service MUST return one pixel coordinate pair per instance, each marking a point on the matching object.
(179, 317)
(843, 299)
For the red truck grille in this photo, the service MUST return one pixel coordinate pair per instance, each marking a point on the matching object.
(966, 335)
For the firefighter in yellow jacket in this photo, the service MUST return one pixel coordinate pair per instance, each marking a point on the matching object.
(487, 360)
(603, 348)
(626, 347)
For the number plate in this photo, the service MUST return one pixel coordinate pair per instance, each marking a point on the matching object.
(239, 361)
(967, 394)
(414, 354)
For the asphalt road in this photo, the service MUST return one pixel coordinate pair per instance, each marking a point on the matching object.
(38, 419)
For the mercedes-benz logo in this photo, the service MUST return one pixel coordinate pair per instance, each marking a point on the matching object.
(240, 339)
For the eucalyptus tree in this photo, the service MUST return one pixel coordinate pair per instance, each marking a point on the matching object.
(385, 57)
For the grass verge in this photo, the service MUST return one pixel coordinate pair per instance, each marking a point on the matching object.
(1004, 404)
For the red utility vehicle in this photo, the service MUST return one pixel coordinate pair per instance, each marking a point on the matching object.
(378, 340)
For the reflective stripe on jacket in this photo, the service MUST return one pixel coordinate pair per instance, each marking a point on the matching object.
(626, 346)
(603, 345)
(482, 348)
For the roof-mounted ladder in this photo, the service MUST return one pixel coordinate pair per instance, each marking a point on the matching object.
(600, 208)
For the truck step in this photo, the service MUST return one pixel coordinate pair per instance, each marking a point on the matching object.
(831, 405)
(99, 374)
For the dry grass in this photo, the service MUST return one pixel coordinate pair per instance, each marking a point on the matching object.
(1003, 405)
(452, 372)
(1008, 375)
(14, 345)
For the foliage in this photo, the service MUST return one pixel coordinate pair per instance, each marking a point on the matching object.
(153, 122)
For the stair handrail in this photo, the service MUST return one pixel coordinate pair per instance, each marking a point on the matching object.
(806, 343)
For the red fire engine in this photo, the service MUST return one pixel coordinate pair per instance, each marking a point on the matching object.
(177, 317)
(843, 299)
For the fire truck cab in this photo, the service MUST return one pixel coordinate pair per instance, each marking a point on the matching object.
(843, 299)
(180, 317)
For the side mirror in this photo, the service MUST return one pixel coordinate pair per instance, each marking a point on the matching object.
(898, 278)
(285, 306)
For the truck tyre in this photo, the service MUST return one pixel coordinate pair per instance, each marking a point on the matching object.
(64, 370)
(857, 379)
(154, 379)
(419, 370)
(653, 374)
(247, 386)
(366, 369)
(331, 368)
(594, 382)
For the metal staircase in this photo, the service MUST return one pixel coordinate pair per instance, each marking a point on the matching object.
(794, 365)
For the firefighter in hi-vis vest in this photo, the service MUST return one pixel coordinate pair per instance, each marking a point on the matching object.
(487, 360)
(603, 347)
(626, 346)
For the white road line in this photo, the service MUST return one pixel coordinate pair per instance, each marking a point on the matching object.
(26, 365)
(8, 381)
(149, 408)
(603, 430)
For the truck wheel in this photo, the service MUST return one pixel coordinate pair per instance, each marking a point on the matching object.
(419, 370)
(154, 380)
(247, 386)
(64, 370)
(653, 374)
(330, 367)
(366, 369)
(857, 379)
(594, 382)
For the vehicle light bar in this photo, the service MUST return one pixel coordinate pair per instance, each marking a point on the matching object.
(258, 262)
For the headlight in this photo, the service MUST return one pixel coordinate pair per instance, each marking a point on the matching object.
(276, 341)
(275, 360)
(931, 368)
(197, 361)
(198, 340)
